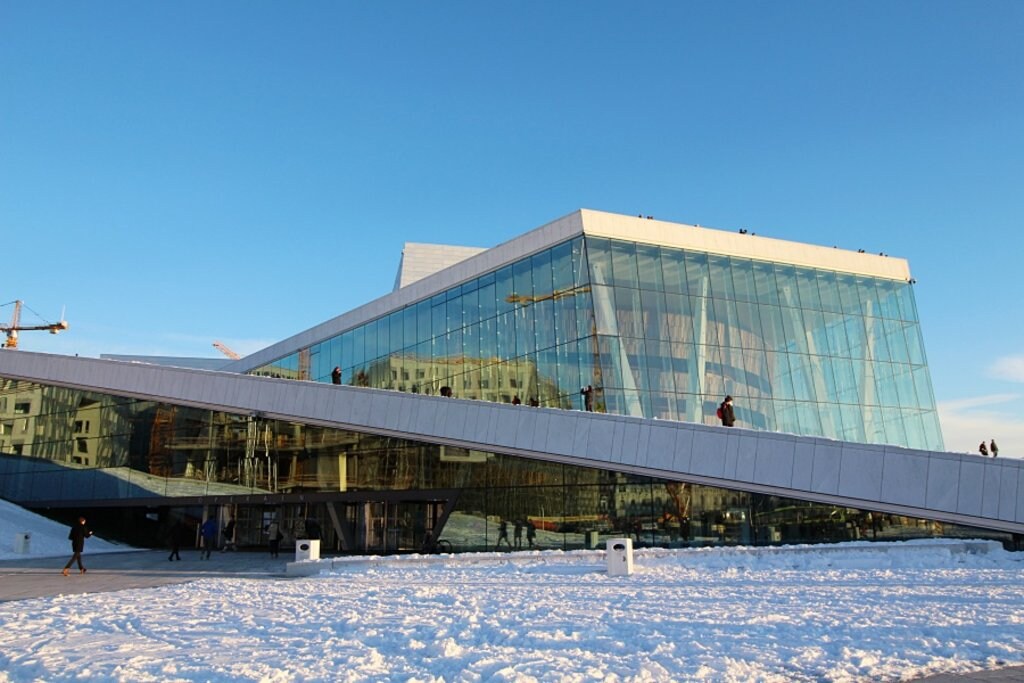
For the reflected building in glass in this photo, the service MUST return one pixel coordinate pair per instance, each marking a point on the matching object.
(615, 315)
(663, 321)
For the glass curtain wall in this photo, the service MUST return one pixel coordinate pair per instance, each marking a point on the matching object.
(85, 448)
(658, 332)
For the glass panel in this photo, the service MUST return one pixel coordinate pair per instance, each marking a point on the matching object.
(698, 279)
(424, 328)
(409, 327)
(774, 334)
(684, 378)
(903, 379)
(674, 270)
(721, 277)
(868, 297)
(488, 306)
(648, 260)
(522, 282)
(743, 280)
(585, 323)
(905, 300)
(915, 346)
(395, 341)
(788, 287)
(856, 336)
(655, 317)
(885, 385)
(471, 341)
(503, 289)
(888, 299)
(678, 317)
(780, 374)
(895, 342)
(564, 312)
(624, 264)
(526, 341)
(561, 267)
(835, 332)
(807, 284)
(506, 336)
(488, 339)
(581, 272)
(540, 264)
(544, 322)
(877, 347)
(923, 388)
(802, 367)
(764, 283)
(604, 306)
(828, 288)
(438, 315)
(599, 255)
(628, 312)
(470, 305)
(849, 294)
(659, 368)
(749, 325)
(358, 352)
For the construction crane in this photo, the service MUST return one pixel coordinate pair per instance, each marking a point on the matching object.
(15, 326)
(225, 350)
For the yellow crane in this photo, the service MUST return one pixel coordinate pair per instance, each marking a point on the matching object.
(225, 350)
(15, 326)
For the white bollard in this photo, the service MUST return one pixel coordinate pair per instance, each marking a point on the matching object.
(619, 552)
(23, 542)
(307, 549)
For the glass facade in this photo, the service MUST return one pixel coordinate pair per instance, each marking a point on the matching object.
(658, 332)
(69, 448)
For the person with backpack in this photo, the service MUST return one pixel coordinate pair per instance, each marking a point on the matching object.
(726, 413)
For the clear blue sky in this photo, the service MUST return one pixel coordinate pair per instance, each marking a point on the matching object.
(177, 173)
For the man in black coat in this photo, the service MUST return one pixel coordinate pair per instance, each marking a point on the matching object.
(79, 532)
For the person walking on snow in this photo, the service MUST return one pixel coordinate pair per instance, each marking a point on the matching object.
(79, 532)
(209, 532)
(174, 538)
(275, 536)
(503, 535)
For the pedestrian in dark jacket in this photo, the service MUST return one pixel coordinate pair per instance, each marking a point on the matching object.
(983, 449)
(993, 448)
(726, 413)
(336, 375)
(174, 540)
(209, 532)
(79, 532)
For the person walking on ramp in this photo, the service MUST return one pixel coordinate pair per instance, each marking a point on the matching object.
(726, 413)
(79, 532)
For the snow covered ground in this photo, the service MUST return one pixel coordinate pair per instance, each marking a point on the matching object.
(853, 612)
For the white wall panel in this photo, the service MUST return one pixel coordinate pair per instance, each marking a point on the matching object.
(904, 478)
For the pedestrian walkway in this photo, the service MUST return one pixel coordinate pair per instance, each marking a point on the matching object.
(41, 576)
